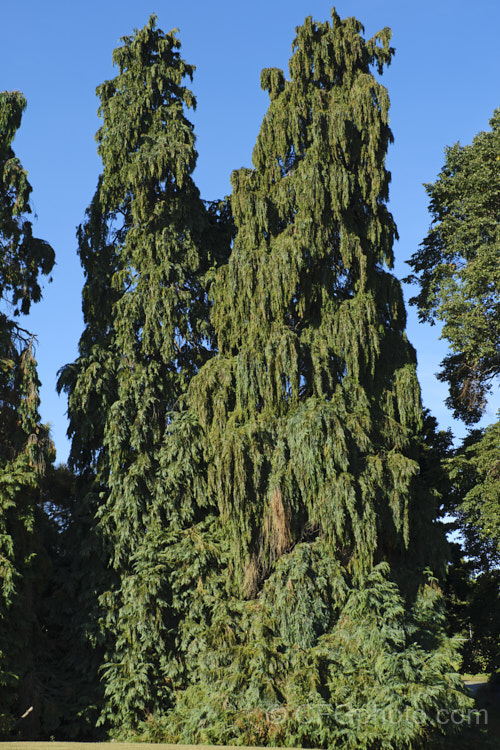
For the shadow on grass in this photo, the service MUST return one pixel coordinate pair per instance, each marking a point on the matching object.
(486, 735)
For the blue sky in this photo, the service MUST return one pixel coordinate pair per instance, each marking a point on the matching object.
(443, 84)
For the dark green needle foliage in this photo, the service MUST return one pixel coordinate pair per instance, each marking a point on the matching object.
(473, 584)
(304, 434)
(25, 448)
(147, 248)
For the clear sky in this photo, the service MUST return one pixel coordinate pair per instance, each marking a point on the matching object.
(444, 84)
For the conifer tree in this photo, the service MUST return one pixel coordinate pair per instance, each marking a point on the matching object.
(91, 385)
(147, 247)
(304, 436)
(25, 447)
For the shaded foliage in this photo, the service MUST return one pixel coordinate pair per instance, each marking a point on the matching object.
(25, 446)
(475, 475)
(457, 270)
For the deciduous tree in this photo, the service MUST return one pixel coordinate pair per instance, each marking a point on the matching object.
(458, 272)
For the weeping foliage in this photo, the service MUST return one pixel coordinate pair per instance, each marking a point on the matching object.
(247, 432)
(304, 434)
(310, 410)
(147, 248)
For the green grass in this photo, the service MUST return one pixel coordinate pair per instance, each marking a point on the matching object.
(108, 745)
(487, 699)
(474, 678)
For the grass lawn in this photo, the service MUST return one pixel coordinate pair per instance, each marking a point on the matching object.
(472, 679)
(109, 745)
(115, 745)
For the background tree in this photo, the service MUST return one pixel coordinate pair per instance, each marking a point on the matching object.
(25, 447)
(457, 268)
(147, 248)
(304, 437)
(475, 474)
(474, 502)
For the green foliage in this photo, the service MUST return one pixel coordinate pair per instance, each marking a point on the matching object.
(376, 679)
(456, 268)
(22, 257)
(309, 411)
(25, 447)
(473, 608)
(482, 650)
(305, 445)
(255, 510)
(67, 651)
(26, 451)
(457, 271)
(19, 481)
(147, 248)
(473, 585)
(475, 473)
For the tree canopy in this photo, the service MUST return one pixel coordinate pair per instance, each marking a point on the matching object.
(458, 273)
(246, 546)
(298, 442)
(23, 258)
(457, 270)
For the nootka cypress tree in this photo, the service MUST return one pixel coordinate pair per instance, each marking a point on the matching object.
(147, 248)
(304, 435)
(25, 447)
(311, 407)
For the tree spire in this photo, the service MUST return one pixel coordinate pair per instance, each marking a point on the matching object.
(147, 246)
